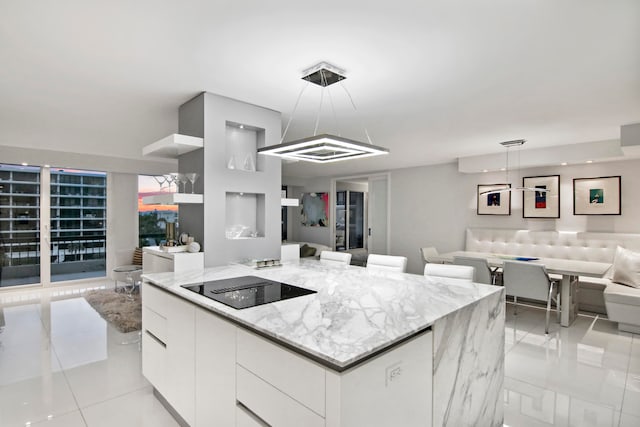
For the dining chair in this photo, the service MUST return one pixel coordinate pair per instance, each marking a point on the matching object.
(336, 258)
(530, 280)
(484, 274)
(387, 263)
(428, 252)
(464, 272)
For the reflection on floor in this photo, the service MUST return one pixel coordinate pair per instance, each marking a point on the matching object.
(62, 365)
(585, 375)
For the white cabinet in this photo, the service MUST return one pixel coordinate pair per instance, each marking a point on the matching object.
(215, 360)
(168, 347)
(213, 372)
(155, 260)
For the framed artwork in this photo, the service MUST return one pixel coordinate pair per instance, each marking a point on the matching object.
(597, 196)
(315, 209)
(541, 204)
(492, 202)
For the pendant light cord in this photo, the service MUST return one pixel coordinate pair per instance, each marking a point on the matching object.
(366, 132)
(293, 113)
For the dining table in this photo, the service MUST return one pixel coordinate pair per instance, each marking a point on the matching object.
(569, 270)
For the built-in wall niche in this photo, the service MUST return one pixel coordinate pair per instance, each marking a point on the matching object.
(241, 145)
(244, 217)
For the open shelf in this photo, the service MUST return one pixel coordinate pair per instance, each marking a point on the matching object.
(173, 146)
(172, 199)
(244, 216)
(289, 202)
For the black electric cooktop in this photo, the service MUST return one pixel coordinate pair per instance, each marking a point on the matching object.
(247, 291)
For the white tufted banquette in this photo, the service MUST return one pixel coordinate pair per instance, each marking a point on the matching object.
(583, 246)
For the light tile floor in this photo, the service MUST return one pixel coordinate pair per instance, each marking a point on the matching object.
(62, 365)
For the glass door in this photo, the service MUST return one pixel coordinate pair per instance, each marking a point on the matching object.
(52, 225)
(78, 224)
(356, 210)
(341, 221)
(19, 225)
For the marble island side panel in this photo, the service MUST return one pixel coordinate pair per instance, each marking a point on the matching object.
(468, 365)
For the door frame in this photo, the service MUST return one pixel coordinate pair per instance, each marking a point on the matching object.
(332, 205)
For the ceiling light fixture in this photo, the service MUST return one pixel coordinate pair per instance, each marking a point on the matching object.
(508, 145)
(323, 148)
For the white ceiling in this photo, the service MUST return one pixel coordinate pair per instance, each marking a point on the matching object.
(433, 80)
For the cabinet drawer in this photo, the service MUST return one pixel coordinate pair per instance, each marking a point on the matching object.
(154, 356)
(299, 378)
(245, 419)
(154, 323)
(155, 299)
(270, 404)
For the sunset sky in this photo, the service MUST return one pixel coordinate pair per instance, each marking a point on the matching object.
(148, 186)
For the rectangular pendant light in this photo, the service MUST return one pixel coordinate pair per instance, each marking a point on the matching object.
(323, 148)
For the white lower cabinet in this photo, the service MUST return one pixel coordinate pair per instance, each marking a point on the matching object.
(216, 370)
(245, 419)
(214, 373)
(168, 347)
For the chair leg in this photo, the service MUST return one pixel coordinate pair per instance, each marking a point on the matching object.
(515, 306)
(546, 326)
(558, 304)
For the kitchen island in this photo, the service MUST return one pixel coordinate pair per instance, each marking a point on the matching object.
(367, 349)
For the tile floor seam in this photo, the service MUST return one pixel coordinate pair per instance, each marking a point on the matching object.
(115, 397)
(626, 379)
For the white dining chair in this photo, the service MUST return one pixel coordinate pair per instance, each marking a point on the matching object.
(336, 258)
(387, 263)
(463, 272)
(427, 253)
(484, 274)
(529, 280)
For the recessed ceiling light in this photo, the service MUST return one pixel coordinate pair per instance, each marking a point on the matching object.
(47, 166)
(563, 164)
(503, 169)
(24, 164)
(241, 126)
(485, 170)
(589, 161)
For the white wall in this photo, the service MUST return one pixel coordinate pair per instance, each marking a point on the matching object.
(433, 205)
(122, 215)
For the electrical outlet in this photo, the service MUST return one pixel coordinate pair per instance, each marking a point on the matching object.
(393, 373)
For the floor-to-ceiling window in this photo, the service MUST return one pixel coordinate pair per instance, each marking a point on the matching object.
(19, 225)
(78, 224)
(67, 208)
(153, 219)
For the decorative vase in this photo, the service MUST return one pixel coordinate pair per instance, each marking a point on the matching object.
(193, 247)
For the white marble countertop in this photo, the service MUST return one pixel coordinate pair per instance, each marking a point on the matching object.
(354, 314)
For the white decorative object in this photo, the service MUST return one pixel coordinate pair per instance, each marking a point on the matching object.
(193, 247)
(249, 164)
(289, 202)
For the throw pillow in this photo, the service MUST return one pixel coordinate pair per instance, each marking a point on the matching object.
(626, 268)
(306, 250)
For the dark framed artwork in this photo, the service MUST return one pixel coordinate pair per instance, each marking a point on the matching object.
(494, 199)
(541, 204)
(597, 196)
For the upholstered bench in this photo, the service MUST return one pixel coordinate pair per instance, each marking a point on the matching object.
(623, 306)
(585, 246)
